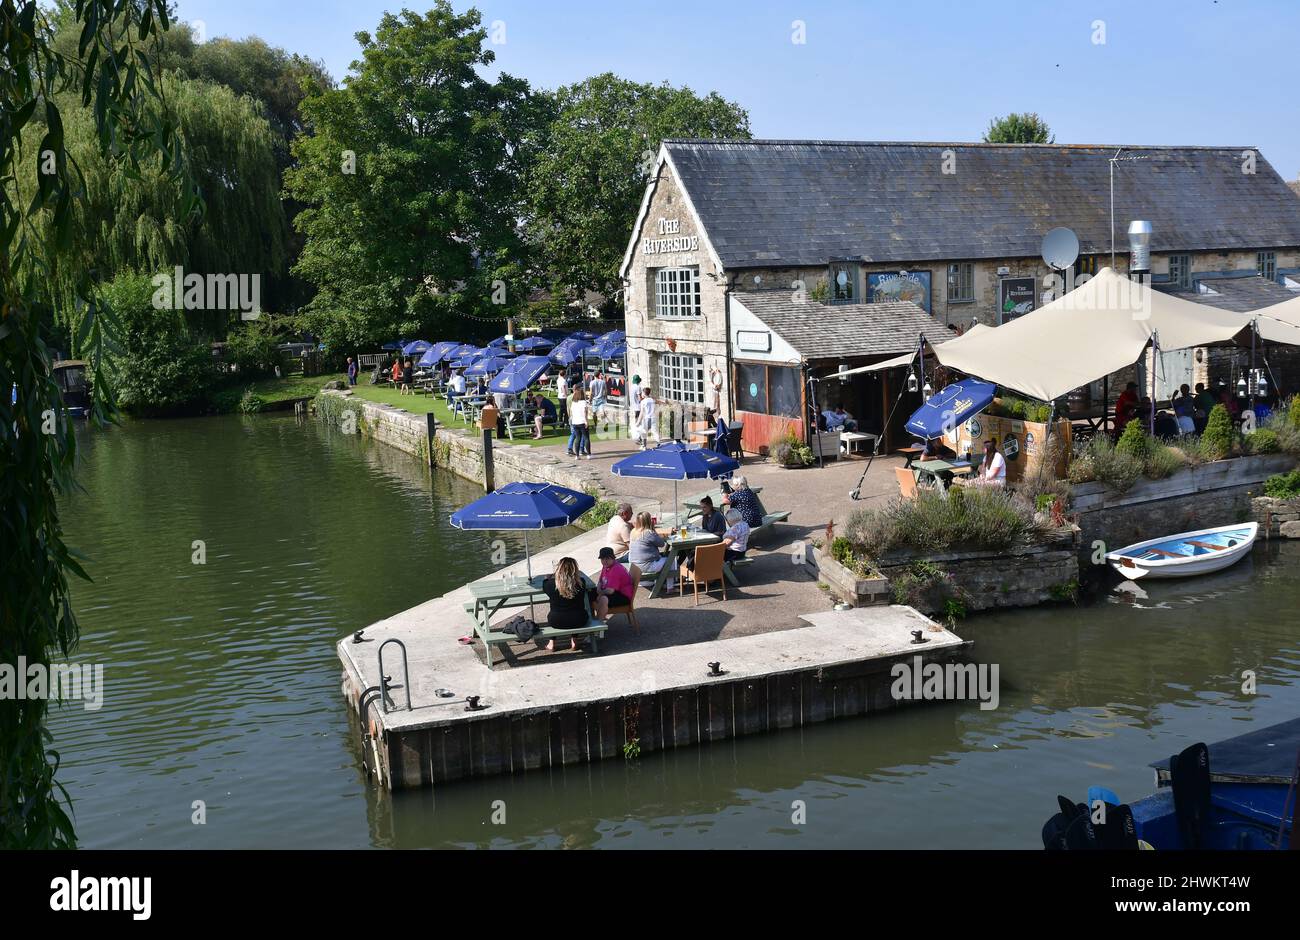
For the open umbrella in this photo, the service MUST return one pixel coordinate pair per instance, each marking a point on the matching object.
(613, 336)
(415, 347)
(569, 351)
(498, 343)
(583, 334)
(437, 352)
(523, 506)
(673, 460)
(397, 345)
(519, 374)
(532, 343)
(488, 365)
(951, 406)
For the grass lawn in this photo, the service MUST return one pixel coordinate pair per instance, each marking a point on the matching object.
(423, 404)
(273, 390)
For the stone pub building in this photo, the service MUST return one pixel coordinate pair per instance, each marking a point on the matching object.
(755, 266)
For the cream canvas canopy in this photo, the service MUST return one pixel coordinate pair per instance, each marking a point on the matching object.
(1096, 329)
(1280, 323)
(907, 358)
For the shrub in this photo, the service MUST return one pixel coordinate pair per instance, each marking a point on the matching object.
(1262, 441)
(1040, 482)
(1135, 441)
(788, 451)
(1164, 461)
(1216, 439)
(158, 367)
(1189, 446)
(1285, 423)
(600, 514)
(250, 348)
(1283, 485)
(1103, 461)
(929, 589)
(977, 518)
(250, 403)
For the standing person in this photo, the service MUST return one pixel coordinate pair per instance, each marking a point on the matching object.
(649, 422)
(352, 371)
(634, 409)
(579, 434)
(396, 373)
(599, 390)
(715, 387)
(1126, 407)
(1185, 411)
(562, 396)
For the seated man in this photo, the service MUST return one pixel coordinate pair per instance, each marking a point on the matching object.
(455, 387)
(834, 421)
(936, 449)
(845, 419)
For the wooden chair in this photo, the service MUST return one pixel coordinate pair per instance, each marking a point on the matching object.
(629, 610)
(708, 567)
(906, 482)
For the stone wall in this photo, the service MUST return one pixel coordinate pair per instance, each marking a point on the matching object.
(1213, 494)
(1277, 518)
(460, 453)
(1019, 577)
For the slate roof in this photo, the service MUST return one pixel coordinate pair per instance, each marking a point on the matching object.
(1239, 294)
(771, 203)
(835, 331)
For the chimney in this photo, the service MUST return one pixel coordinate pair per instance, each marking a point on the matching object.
(1139, 245)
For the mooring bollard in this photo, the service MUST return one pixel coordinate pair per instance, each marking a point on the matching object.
(487, 421)
(433, 431)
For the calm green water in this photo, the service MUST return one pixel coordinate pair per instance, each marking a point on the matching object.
(222, 684)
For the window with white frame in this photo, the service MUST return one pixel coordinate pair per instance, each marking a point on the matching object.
(681, 378)
(677, 292)
(961, 282)
(1266, 264)
(1180, 271)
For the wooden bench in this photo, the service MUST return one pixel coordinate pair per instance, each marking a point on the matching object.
(490, 637)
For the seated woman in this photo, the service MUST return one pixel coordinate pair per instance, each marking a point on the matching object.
(568, 600)
(614, 587)
(992, 470)
(543, 411)
(644, 546)
(736, 538)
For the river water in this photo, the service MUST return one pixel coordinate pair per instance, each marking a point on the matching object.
(222, 686)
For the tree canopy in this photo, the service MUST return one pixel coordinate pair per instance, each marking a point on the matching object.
(1027, 128)
(412, 182)
(586, 183)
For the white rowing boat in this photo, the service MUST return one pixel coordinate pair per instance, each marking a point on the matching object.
(1185, 554)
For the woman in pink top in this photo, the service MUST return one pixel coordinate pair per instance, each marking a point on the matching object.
(614, 587)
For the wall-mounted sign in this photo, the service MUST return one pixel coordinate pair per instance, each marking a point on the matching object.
(910, 285)
(1015, 298)
(678, 241)
(754, 341)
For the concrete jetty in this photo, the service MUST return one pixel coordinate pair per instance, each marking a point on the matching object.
(777, 671)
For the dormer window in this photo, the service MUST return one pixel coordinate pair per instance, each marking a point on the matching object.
(843, 283)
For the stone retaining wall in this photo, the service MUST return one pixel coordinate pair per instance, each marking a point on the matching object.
(1213, 494)
(453, 450)
(1277, 518)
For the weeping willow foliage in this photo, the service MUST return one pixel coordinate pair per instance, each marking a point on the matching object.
(131, 222)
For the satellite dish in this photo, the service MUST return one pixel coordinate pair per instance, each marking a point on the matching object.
(1060, 248)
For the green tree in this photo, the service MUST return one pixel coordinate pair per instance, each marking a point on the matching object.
(586, 183)
(1027, 128)
(113, 75)
(132, 220)
(412, 182)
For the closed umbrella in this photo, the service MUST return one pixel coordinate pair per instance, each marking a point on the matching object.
(673, 460)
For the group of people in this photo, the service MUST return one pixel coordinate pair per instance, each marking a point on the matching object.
(1190, 409)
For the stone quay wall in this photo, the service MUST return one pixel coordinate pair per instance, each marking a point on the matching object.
(1277, 518)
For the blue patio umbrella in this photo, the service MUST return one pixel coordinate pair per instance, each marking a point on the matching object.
(415, 347)
(610, 350)
(488, 365)
(532, 343)
(396, 345)
(499, 342)
(675, 461)
(438, 352)
(613, 336)
(583, 334)
(519, 374)
(949, 407)
(569, 351)
(523, 506)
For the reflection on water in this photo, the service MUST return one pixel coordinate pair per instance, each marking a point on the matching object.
(222, 684)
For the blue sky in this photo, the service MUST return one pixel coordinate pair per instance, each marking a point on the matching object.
(1189, 72)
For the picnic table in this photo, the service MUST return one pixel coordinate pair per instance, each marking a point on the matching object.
(911, 452)
(934, 467)
(695, 537)
(491, 596)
